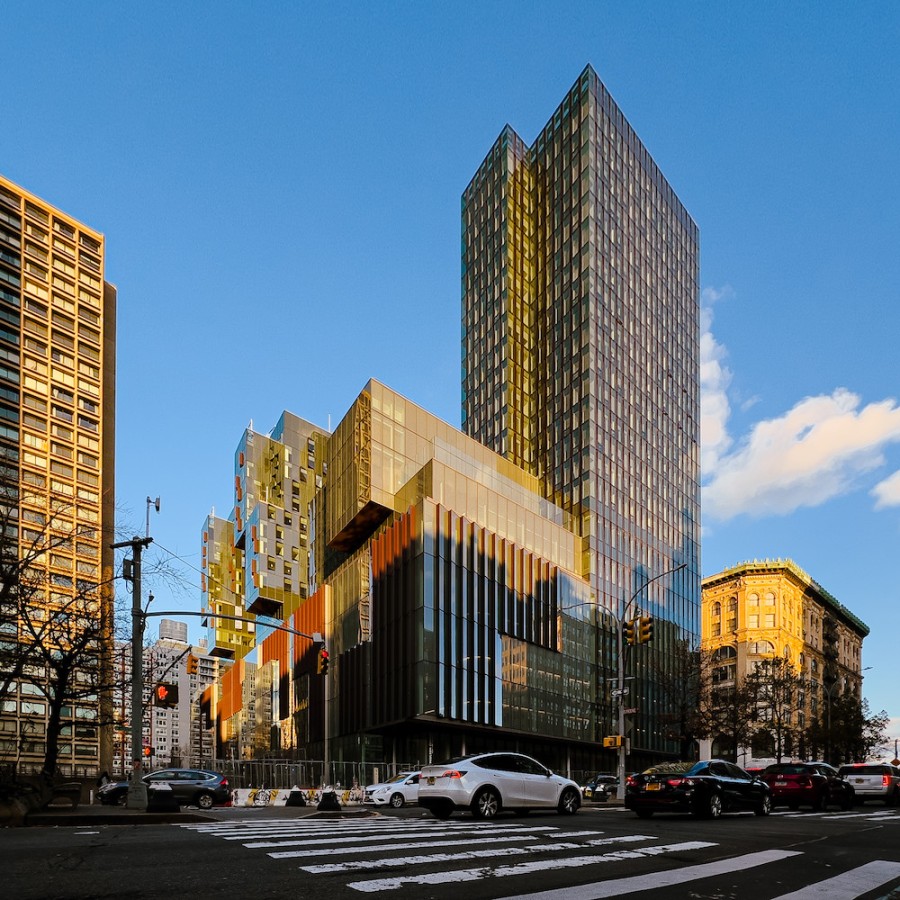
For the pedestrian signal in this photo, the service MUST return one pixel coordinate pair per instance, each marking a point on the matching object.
(166, 695)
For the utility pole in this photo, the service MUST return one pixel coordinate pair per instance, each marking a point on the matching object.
(137, 789)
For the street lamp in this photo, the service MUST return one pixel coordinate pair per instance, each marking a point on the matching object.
(619, 693)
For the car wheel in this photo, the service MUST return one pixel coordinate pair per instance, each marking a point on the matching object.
(397, 800)
(711, 807)
(643, 813)
(569, 802)
(764, 807)
(486, 804)
(204, 800)
(122, 799)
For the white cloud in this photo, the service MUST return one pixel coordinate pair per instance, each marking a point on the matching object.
(715, 378)
(814, 452)
(887, 492)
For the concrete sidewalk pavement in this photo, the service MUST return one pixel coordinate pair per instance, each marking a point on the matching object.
(98, 814)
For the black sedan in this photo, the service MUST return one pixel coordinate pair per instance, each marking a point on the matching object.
(705, 789)
(191, 787)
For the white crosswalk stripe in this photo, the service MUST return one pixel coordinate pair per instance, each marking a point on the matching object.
(505, 850)
(527, 868)
(464, 855)
(849, 885)
(616, 887)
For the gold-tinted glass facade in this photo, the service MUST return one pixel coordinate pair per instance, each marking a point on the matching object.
(57, 446)
(256, 563)
(475, 620)
(581, 352)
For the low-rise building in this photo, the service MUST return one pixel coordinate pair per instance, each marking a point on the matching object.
(759, 610)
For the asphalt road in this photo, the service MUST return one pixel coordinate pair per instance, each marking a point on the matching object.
(408, 855)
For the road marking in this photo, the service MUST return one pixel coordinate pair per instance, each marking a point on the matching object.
(429, 859)
(528, 868)
(330, 849)
(655, 880)
(849, 885)
(295, 840)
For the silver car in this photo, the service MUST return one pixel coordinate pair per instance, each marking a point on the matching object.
(486, 783)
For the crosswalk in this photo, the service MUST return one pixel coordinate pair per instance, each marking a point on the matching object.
(377, 855)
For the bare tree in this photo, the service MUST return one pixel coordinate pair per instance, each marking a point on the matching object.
(683, 678)
(775, 689)
(727, 711)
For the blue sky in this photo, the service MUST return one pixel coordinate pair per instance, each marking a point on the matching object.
(279, 185)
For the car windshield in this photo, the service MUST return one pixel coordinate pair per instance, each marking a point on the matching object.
(401, 777)
(786, 769)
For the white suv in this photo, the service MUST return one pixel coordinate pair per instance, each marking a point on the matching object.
(486, 783)
(402, 788)
(873, 781)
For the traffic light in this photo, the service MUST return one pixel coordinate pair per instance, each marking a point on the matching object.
(323, 661)
(645, 629)
(629, 632)
(166, 695)
(192, 664)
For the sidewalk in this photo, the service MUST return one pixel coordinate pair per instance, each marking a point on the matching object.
(118, 815)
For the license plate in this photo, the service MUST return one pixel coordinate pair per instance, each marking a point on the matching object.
(780, 784)
(860, 780)
(654, 786)
(431, 779)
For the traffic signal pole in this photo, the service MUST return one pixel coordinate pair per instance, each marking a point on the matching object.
(137, 789)
(620, 686)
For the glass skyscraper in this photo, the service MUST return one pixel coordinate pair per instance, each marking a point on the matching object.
(580, 349)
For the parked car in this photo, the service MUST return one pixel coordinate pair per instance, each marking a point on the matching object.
(191, 787)
(599, 788)
(487, 783)
(402, 788)
(873, 781)
(707, 788)
(814, 784)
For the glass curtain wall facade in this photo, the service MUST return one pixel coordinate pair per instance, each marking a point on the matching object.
(580, 354)
(456, 615)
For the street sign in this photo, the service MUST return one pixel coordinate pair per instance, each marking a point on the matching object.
(630, 711)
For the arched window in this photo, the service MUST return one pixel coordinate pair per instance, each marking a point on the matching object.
(753, 599)
(716, 609)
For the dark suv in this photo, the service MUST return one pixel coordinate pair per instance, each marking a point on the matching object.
(191, 787)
